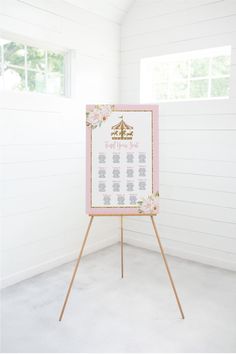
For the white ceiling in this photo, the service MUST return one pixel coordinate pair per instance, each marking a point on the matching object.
(113, 10)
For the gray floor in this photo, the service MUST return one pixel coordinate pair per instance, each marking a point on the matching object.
(136, 314)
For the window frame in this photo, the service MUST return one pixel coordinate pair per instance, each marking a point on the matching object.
(147, 93)
(65, 75)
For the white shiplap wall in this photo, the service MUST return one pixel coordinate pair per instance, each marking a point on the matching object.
(197, 139)
(43, 139)
(110, 9)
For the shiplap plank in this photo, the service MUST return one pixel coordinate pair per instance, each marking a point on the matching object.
(196, 253)
(196, 195)
(199, 167)
(21, 101)
(185, 235)
(22, 153)
(216, 152)
(47, 249)
(212, 228)
(102, 8)
(49, 197)
(214, 183)
(48, 186)
(65, 40)
(183, 33)
(72, 13)
(35, 15)
(179, 46)
(205, 107)
(198, 210)
(198, 137)
(28, 128)
(29, 14)
(35, 226)
(219, 9)
(38, 253)
(92, 36)
(43, 225)
(205, 122)
(42, 168)
(146, 9)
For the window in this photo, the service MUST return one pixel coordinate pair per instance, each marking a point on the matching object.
(28, 68)
(203, 74)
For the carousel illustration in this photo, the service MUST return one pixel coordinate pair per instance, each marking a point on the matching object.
(122, 131)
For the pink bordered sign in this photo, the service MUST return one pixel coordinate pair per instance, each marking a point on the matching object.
(122, 159)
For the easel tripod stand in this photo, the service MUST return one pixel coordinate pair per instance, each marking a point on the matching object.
(122, 261)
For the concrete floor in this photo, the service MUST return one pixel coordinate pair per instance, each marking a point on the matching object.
(136, 314)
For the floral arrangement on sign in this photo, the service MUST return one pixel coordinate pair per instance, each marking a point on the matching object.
(98, 115)
(149, 205)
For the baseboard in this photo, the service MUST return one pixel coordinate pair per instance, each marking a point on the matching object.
(56, 262)
(144, 241)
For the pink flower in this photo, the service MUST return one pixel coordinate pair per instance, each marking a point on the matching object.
(92, 120)
(105, 110)
(149, 205)
(98, 115)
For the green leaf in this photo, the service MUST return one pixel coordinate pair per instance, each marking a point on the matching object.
(220, 87)
(14, 54)
(199, 67)
(36, 58)
(198, 88)
(55, 62)
(221, 65)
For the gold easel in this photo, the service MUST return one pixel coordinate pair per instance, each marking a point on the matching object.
(122, 260)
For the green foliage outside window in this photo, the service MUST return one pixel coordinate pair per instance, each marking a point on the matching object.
(14, 54)
(36, 81)
(180, 70)
(31, 68)
(55, 62)
(198, 88)
(178, 90)
(220, 87)
(193, 78)
(199, 67)
(221, 65)
(36, 58)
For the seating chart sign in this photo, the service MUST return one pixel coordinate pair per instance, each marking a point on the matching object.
(122, 159)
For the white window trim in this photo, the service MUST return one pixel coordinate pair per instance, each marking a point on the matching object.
(146, 92)
(66, 73)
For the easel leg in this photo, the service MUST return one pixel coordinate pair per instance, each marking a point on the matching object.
(76, 268)
(122, 246)
(167, 267)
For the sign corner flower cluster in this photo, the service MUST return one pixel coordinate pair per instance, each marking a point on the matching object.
(149, 205)
(98, 115)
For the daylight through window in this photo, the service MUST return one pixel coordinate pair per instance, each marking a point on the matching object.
(203, 74)
(28, 68)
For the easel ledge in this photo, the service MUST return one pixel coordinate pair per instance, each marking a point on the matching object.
(122, 256)
(137, 214)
